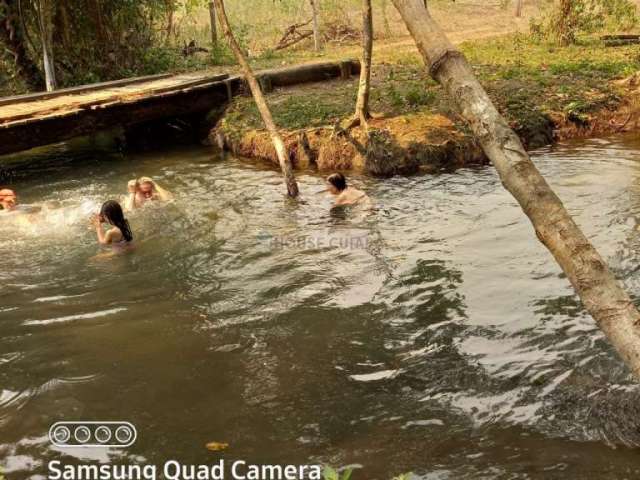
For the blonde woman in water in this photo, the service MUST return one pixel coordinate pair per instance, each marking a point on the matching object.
(144, 189)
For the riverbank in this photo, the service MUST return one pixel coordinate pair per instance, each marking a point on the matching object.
(546, 93)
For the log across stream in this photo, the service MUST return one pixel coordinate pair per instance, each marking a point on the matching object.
(433, 335)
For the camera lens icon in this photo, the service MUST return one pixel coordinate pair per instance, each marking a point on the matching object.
(93, 434)
(82, 434)
(102, 434)
(124, 434)
(61, 434)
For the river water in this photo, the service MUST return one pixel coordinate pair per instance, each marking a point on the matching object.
(433, 335)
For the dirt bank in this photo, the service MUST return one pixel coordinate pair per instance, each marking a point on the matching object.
(402, 144)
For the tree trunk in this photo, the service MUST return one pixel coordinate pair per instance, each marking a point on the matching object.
(316, 25)
(385, 19)
(62, 23)
(519, 8)
(12, 38)
(565, 24)
(602, 296)
(171, 8)
(212, 21)
(44, 22)
(362, 113)
(281, 151)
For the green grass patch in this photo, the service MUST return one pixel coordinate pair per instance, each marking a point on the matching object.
(528, 81)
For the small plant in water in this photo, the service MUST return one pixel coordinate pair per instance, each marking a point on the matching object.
(330, 474)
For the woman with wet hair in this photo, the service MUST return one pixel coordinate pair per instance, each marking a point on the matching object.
(144, 189)
(345, 195)
(111, 213)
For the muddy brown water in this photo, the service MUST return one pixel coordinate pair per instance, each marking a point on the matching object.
(434, 335)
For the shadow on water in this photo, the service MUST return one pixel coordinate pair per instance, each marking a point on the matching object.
(432, 334)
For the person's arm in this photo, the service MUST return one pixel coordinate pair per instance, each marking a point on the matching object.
(102, 238)
(130, 202)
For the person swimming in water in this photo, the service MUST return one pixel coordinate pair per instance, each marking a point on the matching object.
(142, 190)
(345, 195)
(8, 199)
(111, 213)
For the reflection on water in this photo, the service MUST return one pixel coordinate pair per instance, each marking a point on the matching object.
(433, 335)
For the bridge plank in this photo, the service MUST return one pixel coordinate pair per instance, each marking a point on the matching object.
(41, 119)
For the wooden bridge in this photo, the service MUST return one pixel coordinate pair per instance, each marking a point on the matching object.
(34, 120)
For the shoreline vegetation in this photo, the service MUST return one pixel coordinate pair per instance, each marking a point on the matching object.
(547, 93)
(548, 89)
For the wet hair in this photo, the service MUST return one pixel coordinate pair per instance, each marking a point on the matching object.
(163, 194)
(112, 212)
(338, 181)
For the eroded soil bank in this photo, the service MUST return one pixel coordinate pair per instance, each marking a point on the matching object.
(396, 145)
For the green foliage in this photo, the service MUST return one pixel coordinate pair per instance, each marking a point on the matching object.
(112, 39)
(567, 19)
(331, 474)
(577, 111)
(407, 88)
(300, 111)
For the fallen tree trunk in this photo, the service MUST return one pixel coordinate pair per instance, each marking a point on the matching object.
(602, 296)
(293, 34)
(263, 108)
(620, 40)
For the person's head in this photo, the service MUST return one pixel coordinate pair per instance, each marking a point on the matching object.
(336, 183)
(8, 199)
(111, 212)
(146, 187)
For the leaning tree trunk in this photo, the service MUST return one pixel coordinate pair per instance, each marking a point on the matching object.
(316, 24)
(602, 296)
(256, 91)
(13, 42)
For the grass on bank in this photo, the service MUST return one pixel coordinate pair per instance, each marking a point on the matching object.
(527, 80)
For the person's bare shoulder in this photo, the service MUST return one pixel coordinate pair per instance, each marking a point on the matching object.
(114, 235)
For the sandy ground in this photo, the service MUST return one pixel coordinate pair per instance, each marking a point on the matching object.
(462, 20)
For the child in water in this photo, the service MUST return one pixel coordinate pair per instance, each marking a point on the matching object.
(8, 199)
(142, 190)
(111, 213)
(343, 193)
